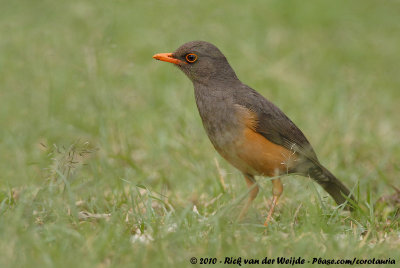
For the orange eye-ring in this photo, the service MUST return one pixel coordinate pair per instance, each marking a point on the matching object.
(191, 57)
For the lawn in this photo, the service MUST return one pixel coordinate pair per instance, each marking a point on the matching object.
(104, 161)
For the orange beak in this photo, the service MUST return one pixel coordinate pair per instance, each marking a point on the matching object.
(167, 57)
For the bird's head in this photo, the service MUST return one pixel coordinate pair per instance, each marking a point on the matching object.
(201, 61)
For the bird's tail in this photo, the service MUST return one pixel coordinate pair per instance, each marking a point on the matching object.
(331, 184)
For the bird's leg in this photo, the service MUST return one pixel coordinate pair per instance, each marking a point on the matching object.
(277, 189)
(250, 181)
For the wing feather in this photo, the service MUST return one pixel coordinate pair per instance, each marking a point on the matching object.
(273, 124)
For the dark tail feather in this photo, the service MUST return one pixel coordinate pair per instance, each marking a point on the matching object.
(331, 184)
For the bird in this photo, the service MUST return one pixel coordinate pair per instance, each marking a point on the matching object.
(247, 129)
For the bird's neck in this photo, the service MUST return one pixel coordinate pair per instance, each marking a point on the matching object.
(219, 79)
(225, 74)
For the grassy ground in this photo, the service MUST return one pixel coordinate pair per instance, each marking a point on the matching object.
(104, 162)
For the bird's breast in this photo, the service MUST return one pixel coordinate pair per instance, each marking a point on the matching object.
(219, 120)
(224, 127)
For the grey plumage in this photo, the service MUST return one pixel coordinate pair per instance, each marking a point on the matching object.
(219, 93)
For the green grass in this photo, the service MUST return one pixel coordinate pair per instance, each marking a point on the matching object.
(91, 126)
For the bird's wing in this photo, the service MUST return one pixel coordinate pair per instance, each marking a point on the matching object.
(273, 124)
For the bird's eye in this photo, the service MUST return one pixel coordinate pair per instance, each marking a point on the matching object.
(191, 57)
